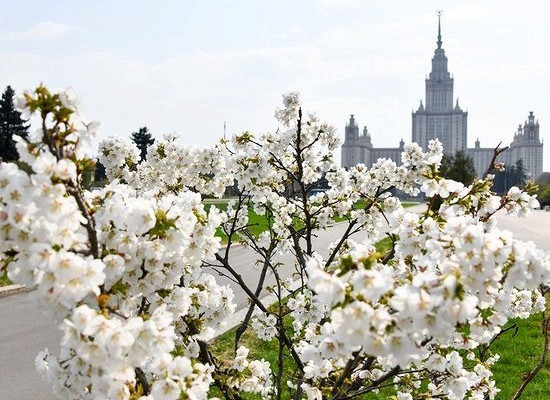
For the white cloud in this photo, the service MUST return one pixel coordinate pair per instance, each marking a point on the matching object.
(290, 33)
(41, 31)
(337, 3)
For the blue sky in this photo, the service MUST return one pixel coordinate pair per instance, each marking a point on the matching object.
(186, 66)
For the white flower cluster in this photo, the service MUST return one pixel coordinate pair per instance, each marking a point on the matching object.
(121, 267)
(264, 325)
(305, 309)
(169, 167)
(253, 376)
(521, 203)
(103, 353)
(452, 284)
(40, 222)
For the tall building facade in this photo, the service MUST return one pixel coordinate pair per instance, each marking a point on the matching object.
(440, 119)
(526, 146)
(356, 148)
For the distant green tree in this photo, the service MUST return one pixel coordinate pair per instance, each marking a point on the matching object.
(544, 195)
(513, 175)
(143, 139)
(543, 179)
(11, 124)
(459, 167)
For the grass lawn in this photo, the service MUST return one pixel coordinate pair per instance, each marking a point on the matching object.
(518, 356)
(259, 223)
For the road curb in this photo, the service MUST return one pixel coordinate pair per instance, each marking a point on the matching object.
(15, 289)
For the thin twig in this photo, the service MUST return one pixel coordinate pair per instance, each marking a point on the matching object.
(262, 307)
(244, 324)
(496, 152)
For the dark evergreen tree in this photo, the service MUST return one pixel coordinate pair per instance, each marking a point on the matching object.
(513, 175)
(459, 167)
(11, 124)
(520, 175)
(99, 173)
(143, 139)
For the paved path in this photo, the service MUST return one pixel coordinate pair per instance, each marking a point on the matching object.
(535, 227)
(24, 330)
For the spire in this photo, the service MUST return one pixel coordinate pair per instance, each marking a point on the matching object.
(439, 42)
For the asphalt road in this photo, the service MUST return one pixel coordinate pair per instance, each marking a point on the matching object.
(25, 330)
(535, 227)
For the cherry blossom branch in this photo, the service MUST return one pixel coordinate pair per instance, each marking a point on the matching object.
(262, 307)
(374, 384)
(496, 152)
(300, 182)
(342, 240)
(232, 230)
(244, 324)
(346, 373)
(367, 365)
(72, 188)
(76, 192)
(207, 357)
(484, 348)
(281, 329)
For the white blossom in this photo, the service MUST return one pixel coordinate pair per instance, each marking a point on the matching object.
(123, 268)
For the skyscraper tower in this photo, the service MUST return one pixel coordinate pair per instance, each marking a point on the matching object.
(436, 118)
(439, 119)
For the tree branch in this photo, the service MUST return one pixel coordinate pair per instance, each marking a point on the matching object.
(496, 152)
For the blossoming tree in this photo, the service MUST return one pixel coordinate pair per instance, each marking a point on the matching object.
(129, 270)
